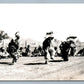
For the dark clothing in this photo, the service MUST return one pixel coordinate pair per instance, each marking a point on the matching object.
(13, 46)
(64, 47)
(12, 49)
(28, 49)
(46, 46)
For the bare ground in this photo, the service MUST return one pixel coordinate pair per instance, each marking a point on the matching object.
(33, 68)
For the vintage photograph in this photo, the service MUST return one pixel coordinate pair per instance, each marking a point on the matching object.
(41, 42)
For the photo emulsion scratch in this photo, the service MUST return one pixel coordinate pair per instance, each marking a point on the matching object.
(41, 42)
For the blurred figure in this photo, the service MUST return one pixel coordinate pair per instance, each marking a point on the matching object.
(28, 50)
(35, 52)
(72, 51)
(65, 47)
(48, 47)
(73, 45)
(13, 47)
(40, 50)
(80, 52)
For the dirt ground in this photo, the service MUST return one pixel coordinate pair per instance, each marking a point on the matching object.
(33, 68)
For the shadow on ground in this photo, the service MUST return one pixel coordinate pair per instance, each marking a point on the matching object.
(35, 64)
(56, 61)
(6, 63)
(43, 63)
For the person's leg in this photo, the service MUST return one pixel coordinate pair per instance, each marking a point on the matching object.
(51, 53)
(14, 58)
(65, 56)
(45, 56)
(13, 61)
(62, 54)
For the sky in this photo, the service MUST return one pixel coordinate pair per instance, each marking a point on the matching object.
(34, 20)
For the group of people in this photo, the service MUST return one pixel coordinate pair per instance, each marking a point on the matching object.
(47, 48)
(65, 48)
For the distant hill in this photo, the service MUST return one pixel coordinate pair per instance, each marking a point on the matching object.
(24, 42)
(31, 42)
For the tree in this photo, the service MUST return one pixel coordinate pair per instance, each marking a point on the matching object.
(3, 35)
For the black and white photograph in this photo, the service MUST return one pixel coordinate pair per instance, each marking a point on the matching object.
(41, 42)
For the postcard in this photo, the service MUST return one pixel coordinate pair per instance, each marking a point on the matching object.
(41, 42)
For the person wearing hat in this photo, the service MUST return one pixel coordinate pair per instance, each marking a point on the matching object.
(13, 47)
(48, 47)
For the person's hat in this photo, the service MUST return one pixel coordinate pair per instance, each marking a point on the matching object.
(49, 34)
